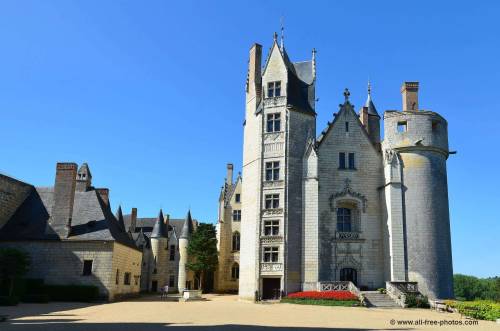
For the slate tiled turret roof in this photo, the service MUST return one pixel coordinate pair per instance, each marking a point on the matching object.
(187, 228)
(160, 228)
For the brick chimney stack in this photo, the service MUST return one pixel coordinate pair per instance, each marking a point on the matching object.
(64, 197)
(133, 220)
(409, 91)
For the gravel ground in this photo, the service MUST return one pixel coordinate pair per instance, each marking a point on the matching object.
(221, 312)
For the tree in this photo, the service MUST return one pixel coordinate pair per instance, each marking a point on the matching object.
(13, 265)
(202, 251)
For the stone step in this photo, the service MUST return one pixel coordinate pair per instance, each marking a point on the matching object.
(379, 300)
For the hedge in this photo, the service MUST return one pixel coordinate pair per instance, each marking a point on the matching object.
(82, 293)
(480, 309)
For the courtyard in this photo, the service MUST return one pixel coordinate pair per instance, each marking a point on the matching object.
(222, 312)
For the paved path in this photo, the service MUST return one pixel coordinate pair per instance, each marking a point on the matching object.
(222, 312)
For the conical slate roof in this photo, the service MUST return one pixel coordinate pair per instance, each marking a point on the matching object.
(119, 217)
(369, 103)
(159, 229)
(187, 228)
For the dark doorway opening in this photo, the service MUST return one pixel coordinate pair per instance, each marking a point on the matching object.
(271, 288)
(349, 274)
(154, 286)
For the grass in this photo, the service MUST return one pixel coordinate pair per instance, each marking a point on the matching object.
(322, 302)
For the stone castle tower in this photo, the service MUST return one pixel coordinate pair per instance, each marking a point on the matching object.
(187, 230)
(159, 248)
(415, 151)
(344, 206)
(279, 122)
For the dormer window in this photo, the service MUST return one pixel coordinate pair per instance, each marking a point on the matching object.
(274, 89)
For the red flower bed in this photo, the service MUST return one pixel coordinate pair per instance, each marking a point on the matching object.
(325, 295)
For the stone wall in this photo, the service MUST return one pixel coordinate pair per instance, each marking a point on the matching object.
(125, 260)
(358, 188)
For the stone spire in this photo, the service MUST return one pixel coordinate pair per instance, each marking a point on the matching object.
(159, 227)
(187, 228)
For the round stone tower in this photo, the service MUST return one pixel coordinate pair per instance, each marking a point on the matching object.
(187, 230)
(419, 139)
(159, 248)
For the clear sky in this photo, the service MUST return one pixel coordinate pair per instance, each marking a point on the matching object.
(151, 93)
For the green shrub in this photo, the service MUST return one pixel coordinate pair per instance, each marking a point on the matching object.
(382, 290)
(9, 301)
(82, 293)
(35, 298)
(481, 309)
(417, 301)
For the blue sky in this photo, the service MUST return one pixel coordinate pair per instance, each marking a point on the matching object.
(151, 93)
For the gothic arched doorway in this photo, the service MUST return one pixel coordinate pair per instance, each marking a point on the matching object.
(349, 274)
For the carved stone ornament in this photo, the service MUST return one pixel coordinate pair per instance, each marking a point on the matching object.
(347, 191)
(389, 156)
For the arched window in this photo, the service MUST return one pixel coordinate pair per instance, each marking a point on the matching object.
(344, 220)
(235, 271)
(236, 241)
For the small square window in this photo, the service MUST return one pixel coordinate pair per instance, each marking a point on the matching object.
(271, 254)
(272, 201)
(87, 267)
(236, 215)
(271, 228)
(402, 126)
(273, 122)
(237, 197)
(272, 171)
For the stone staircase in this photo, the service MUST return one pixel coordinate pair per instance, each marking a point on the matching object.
(379, 300)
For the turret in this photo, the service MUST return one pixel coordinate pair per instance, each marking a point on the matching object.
(187, 230)
(159, 248)
(370, 118)
(415, 150)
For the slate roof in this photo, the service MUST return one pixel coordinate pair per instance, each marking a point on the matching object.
(300, 85)
(145, 225)
(371, 107)
(187, 227)
(160, 228)
(92, 219)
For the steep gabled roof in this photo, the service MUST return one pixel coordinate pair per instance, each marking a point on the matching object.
(301, 79)
(345, 107)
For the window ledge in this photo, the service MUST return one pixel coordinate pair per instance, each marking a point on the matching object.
(347, 169)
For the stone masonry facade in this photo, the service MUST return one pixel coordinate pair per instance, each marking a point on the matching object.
(344, 206)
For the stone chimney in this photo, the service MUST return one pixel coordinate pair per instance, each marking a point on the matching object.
(83, 178)
(133, 220)
(409, 91)
(254, 77)
(167, 222)
(104, 194)
(64, 197)
(229, 176)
